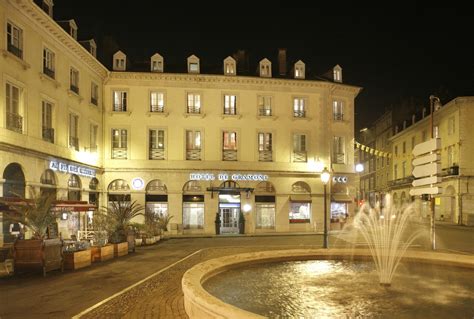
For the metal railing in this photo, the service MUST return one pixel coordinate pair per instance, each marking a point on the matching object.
(15, 122)
(74, 142)
(157, 154)
(194, 109)
(48, 72)
(48, 134)
(339, 158)
(74, 88)
(229, 155)
(119, 153)
(193, 155)
(299, 113)
(265, 156)
(15, 50)
(94, 100)
(120, 107)
(264, 111)
(157, 108)
(85, 234)
(338, 116)
(401, 181)
(300, 156)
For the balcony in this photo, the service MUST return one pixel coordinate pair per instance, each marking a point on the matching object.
(74, 142)
(157, 154)
(15, 122)
(48, 134)
(338, 117)
(265, 156)
(49, 72)
(401, 181)
(157, 108)
(300, 157)
(193, 155)
(94, 101)
(194, 110)
(339, 158)
(119, 153)
(265, 111)
(15, 51)
(74, 88)
(299, 113)
(120, 108)
(229, 155)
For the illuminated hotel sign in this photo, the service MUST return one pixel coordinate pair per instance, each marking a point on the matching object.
(339, 179)
(226, 177)
(72, 169)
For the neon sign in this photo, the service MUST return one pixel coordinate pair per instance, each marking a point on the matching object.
(72, 169)
(226, 177)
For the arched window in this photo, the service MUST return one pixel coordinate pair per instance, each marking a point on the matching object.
(48, 181)
(193, 205)
(74, 188)
(156, 197)
(264, 187)
(192, 187)
(119, 190)
(300, 187)
(14, 185)
(156, 186)
(229, 184)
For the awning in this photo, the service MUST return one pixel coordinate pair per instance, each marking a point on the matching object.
(73, 207)
(302, 198)
(341, 198)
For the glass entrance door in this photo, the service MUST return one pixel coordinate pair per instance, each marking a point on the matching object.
(230, 220)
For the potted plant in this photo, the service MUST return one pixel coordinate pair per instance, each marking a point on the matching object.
(217, 222)
(119, 214)
(162, 221)
(39, 252)
(150, 228)
(77, 255)
(138, 230)
(101, 250)
(241, 223)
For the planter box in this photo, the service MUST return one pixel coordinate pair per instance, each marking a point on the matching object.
(77, 259)
(102, 253)
(149, 241)
(138, 241)
(120, 249)
(38, 255)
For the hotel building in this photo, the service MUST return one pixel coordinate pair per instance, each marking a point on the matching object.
(197, 146)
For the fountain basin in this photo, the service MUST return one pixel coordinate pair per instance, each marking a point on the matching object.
(201, 304)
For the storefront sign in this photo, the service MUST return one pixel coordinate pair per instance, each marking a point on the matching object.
(226, 177)
(72, 169)
(339, 179)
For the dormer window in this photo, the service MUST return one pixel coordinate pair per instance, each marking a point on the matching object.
(74, 33)
(93, 48)
(337, 74)
(265, 67)
(193, 64)
(299, 70)
(47, 6)
(229, 66)
(120, 61)
(156, 64)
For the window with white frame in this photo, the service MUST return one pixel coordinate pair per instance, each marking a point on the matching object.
(120, 101)
(265, 147)
(337, 110)
(230, 104)
(14, 120)
(74, 131)
(93, 129)
(47, 131)
(299, 147)
(264, 105)
(94, 93)
(74, 80)
(157, 144)
(193, 145)
(14, 40)
(338, 148)
(299, 70)
(157, 102)
(48, 62)
(451, 126)
(229, 68)
(299, 107)
(450, 154)
(229, 146)
(119, 143)
(194, 103)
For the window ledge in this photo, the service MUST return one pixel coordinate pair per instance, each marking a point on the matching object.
(72, 93)
(267, 117)
(235, 116)
(128, 113)
(164, 114)
(201, 115)
(341, 121)
(10, 55)
(45, 77)
(306, 118)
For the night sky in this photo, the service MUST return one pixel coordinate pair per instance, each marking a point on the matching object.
(394, 53)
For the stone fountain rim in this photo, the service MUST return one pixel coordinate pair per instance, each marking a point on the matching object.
(199, 303)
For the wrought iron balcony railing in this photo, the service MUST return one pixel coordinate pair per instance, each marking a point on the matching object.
(263, 111)
(49, 72)
(15, 122)
(339, 158)
(157, 108)
(48, 134)
(120, 107)
(94, 100)
(193, 155)
(74, 142)
(15, 50)
(265, 156)
(300, 156)
(157, 154)
(194, 109)
(74, 88)
(338, 117)
(119, 153)
(229, 155)
(299, 113)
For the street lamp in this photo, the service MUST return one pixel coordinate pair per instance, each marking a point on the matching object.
(325, 179)
(435, 103)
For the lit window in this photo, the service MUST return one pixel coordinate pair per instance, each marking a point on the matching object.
(337, 111)
(74, 80)
(119, 143)
(194, 103)
(48, 62)
(157, 102)
(264, 105)
(299, 109)
(73, 131)
(15, 40)
(120, 101)
(230, 104)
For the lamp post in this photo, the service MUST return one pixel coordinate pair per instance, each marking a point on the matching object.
(433, 100)
(325, 179)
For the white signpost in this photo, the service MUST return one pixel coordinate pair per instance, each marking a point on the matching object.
(426, 167)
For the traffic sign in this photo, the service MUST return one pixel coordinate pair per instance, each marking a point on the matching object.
(426, 147)
(426, 181)
(426, 159)
(426, 190)
(427, 170)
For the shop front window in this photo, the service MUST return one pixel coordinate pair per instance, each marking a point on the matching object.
(193, 215)
(265, 215)
(338, 212)
(299, 212)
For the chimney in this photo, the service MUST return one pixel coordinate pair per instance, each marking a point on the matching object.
(404, 124)
(242, 59)
(282, 61)
(424, 113)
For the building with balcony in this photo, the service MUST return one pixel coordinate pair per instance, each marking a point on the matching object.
(193, 144)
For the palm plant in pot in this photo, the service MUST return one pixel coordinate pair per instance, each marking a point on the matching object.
(163, 220)
(38, 252)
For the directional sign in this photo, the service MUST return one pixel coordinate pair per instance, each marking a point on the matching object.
(426, 190)
(426, 181)
(426, 147)
(426, 159)
(427, 170)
